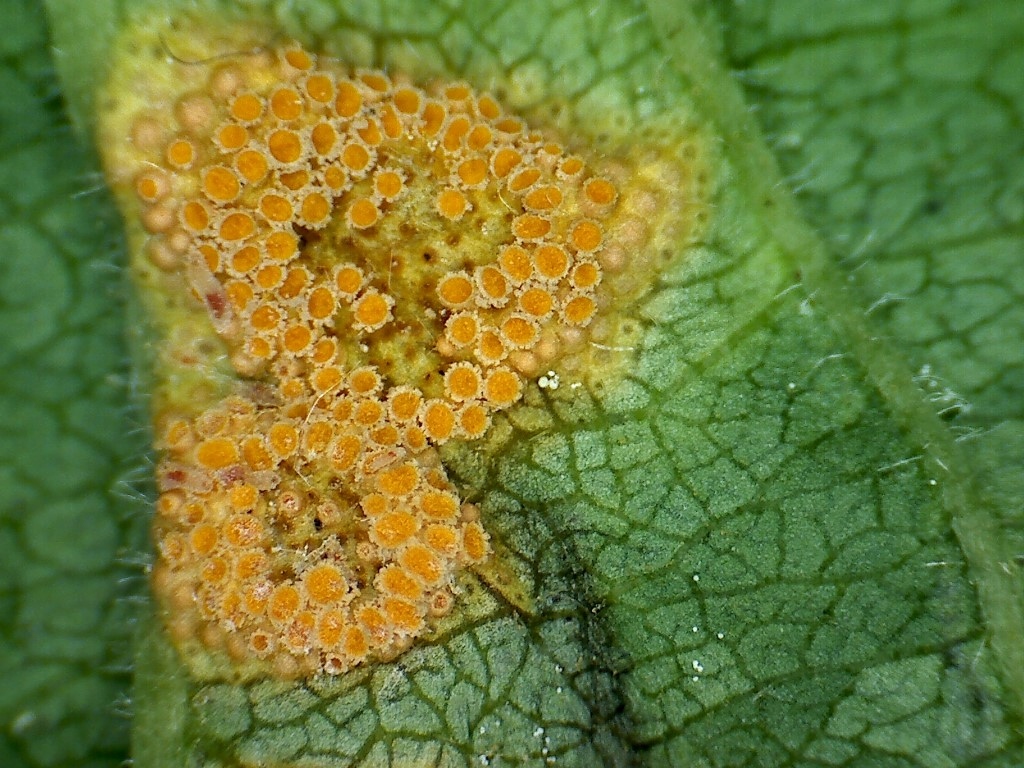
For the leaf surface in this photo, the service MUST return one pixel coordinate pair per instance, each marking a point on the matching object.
(765, 547)
(69, 523)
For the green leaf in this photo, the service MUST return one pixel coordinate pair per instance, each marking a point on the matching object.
(68, 524)
(782, 541)
(912, 174)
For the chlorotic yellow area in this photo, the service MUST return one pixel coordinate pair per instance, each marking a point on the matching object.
(348, 269)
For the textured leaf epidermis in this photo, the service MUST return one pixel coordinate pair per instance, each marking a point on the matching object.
(347, 269)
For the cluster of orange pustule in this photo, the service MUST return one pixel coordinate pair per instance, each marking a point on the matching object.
(278, 558)
(306, 519)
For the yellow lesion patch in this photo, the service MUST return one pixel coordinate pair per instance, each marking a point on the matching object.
(375, 267)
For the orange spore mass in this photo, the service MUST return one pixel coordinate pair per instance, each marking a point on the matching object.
(454, 290)
(232, 136)
(452, 204)
(246, 108)
(307, 511)
(216, 453)
(363, 213)
(324, 584)
(252, 165)
(394, 528)
(236, 226)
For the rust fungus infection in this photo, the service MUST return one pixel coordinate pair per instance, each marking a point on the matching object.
(383, 267)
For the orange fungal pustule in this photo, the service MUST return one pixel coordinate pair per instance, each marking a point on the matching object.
(327, 221)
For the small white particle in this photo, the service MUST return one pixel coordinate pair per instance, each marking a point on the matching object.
(558, 689)
(697, 666)
(695, 679)
(721, 635)
(538, 732)
(696, 577)
(23, 722)
(933, 481)
(791, 386)
(696, 629)
(790, 140)
(549, 381)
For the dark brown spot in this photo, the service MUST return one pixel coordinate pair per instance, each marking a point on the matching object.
(217, 304)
